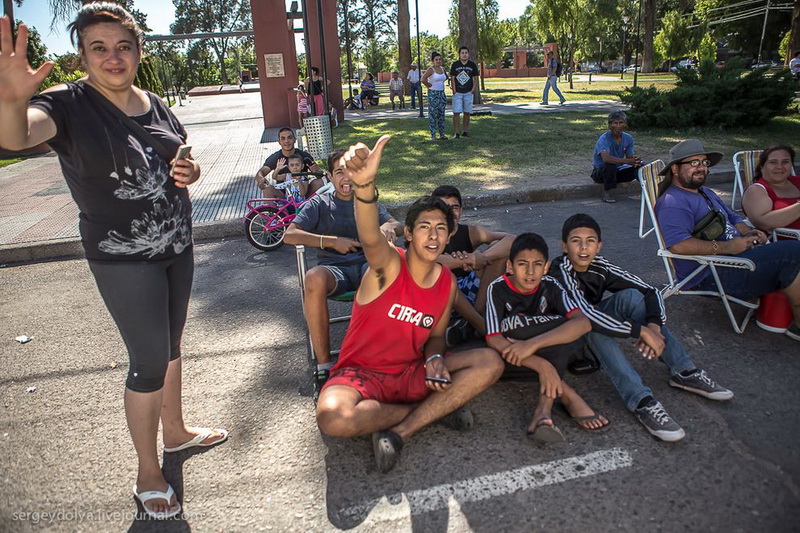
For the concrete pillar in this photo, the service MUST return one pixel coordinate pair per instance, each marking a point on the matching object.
(274, 38)
(331, 30)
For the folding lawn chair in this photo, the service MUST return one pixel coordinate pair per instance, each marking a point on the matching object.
(712, 262)
(744, 165)
(302, 268)
(649, 170)
(744, 168)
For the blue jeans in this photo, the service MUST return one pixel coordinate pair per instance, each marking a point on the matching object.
(552, 81)
(628, 304)
(416, 89)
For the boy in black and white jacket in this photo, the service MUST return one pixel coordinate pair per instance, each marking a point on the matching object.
(634, 310)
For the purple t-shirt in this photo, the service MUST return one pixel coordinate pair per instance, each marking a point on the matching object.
(678, 211)
(606, 143)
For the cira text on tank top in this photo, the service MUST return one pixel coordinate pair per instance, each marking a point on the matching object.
(404, 313)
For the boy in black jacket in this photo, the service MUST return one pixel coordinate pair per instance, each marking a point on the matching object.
(532, 322)
(634, 309)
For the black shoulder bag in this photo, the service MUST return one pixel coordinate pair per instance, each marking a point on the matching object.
(131, 124)
(712, 225)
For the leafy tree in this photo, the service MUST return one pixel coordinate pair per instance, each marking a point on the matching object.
(567, 22)
(430, 43)
(193, 16)
(37, 51)
(376, 57)
(674, 39)
(707, 49)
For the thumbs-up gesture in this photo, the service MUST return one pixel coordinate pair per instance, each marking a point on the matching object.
(361, 164)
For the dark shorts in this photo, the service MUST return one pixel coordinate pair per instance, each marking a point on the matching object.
(777, 266)
(407, 386)
(347, 278)
(470, 285)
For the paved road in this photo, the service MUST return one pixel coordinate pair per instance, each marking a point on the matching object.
(64, 448)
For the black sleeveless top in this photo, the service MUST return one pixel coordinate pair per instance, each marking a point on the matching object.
(460, 242)
(317, 86)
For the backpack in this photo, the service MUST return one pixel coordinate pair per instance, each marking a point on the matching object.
(558, 69)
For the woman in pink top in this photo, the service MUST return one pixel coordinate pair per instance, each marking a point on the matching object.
(773, 201)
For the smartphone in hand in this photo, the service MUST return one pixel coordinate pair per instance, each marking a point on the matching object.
(183, 152)
(438, 380)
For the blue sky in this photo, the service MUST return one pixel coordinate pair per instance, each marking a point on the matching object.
(160, 14)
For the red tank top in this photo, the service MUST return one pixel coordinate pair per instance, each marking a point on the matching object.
(780, 203)
(389, 333)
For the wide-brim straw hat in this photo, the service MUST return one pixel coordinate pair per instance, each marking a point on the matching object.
(689, 148)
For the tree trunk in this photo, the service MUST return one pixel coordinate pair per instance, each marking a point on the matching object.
(794, 40)
(468, 33)
(649, 34)
(403, 41)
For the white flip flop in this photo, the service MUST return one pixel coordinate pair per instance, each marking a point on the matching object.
(148, 495)
(198, 441)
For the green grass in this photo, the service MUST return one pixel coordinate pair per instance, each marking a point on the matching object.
(524, 90)
(10, 161)
(505, 151)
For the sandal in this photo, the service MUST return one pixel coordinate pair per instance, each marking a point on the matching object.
(199, 439)
(544, 433)
(561, 410)
(146, 496)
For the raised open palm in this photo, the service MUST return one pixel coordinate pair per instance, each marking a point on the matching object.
(18, 81)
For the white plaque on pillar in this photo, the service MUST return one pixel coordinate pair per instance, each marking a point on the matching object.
(274, 63)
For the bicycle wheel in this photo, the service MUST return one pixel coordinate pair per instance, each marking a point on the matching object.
(264, 229)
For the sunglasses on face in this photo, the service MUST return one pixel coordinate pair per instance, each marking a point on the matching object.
(697, 162)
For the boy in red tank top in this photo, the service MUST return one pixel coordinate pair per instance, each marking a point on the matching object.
(391, 379)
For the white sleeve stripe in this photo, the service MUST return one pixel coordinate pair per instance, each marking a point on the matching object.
(593, 314)
(492, 325)
(635, 279)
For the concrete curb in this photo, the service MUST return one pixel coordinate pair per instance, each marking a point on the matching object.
(71, 248)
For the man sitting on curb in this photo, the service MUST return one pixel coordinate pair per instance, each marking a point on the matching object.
(268, 173)
(684, 202)
(391, 379)
(613, 160)
(474, 270)
(634, 310)
(327, 222)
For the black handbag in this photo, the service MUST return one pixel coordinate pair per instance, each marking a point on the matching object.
(712, 225)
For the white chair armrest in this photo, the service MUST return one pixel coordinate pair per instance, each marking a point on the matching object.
(787, 233)
(717, 260)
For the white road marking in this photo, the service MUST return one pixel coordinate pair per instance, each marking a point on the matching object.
(491, 486)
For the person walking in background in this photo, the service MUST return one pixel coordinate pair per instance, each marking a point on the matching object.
(434, 79)
(315, 82)
(552, 80)
(415, 85)
(463, 82)
(117, 147)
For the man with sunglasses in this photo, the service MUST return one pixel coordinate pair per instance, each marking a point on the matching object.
(686, 202)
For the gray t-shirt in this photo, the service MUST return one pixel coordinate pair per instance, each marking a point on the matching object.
(325, 214)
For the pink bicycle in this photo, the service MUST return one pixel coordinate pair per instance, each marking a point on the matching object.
(267, 218)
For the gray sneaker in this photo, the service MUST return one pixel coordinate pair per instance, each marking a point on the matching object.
(461, 419)
(655, 419)
(699, 383)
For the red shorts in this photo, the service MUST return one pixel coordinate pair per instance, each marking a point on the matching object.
(407, 386)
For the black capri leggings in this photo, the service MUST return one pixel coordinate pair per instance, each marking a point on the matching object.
(148, 301)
